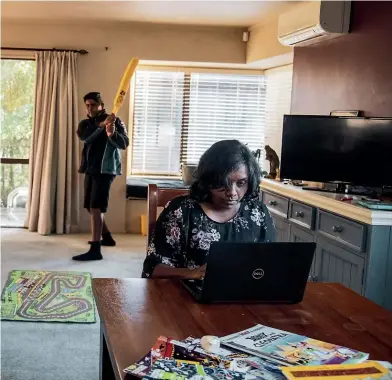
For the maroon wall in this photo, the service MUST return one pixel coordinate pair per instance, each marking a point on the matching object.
(352, 72)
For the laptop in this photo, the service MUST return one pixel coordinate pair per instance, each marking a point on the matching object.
(254, 272)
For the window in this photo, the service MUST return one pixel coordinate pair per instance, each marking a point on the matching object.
(16, 114)
(178, 115)
(157, 121)
(219, 107)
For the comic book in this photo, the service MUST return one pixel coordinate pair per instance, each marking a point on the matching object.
(264, 369)
(190, 349)
(222, 357)
(387, 365)
(239, 361)
(362, 371)
(141, 368)
(260, 374)
(181, 370)
(288, 349)
(164, 348)
(187, 349)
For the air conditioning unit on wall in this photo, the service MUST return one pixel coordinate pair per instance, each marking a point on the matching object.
(314, 21)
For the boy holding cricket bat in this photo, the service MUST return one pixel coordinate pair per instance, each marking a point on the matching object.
(103, 136)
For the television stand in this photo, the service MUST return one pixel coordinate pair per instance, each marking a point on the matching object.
(341, 188)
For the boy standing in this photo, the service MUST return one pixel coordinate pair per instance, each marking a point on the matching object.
(103, 136)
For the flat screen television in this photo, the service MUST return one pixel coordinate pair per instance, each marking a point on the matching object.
(353, 150)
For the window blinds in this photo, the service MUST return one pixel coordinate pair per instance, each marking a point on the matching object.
(178, 115)
(157, 120)
(221, 106)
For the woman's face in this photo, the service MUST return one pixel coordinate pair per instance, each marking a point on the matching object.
(238, 186)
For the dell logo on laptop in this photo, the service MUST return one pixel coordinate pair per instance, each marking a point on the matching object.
(257, 274)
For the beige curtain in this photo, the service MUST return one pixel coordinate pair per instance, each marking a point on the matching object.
(53, 203)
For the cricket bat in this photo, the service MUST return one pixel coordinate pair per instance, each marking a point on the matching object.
(124, 85)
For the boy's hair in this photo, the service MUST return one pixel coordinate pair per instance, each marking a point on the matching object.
(96, 96)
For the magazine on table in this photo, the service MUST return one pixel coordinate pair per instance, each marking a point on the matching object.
(164, 348)
(239, 361)
(288, 349)
(179, 369)
(221, 357)
(362, 371)
(189, 350)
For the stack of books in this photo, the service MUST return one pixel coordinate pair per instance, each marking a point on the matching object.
(258, 353)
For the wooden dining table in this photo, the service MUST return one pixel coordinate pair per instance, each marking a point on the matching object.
(135, 312)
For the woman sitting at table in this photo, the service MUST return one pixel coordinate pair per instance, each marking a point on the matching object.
(223, 205)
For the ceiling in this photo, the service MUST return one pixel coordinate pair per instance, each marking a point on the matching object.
(197, 12)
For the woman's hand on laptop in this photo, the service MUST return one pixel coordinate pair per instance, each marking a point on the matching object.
(198, 273)
(165, 271)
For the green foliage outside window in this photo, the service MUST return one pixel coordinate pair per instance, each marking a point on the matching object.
(16, 116)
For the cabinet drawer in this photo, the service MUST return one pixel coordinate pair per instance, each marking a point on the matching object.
(341, 229)
(276, 204)
(301, 214)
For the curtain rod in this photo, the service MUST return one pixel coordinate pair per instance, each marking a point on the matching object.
(82, 52)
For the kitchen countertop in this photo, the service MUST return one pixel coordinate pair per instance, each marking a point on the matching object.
(330, 202)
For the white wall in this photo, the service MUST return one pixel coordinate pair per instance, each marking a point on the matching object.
(264, 45)
(278, 96)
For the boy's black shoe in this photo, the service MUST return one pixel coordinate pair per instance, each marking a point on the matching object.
(94, 253)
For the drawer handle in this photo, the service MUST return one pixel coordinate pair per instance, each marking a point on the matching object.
(273, 203)
(337, 229)
(299, 214)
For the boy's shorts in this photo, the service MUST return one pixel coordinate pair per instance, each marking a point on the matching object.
(96, 191)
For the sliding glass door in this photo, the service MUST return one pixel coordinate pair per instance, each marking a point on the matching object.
(17, 111)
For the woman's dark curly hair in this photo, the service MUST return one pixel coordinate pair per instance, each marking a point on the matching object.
(218, 162)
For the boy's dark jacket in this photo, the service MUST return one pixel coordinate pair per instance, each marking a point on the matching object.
(101, 154)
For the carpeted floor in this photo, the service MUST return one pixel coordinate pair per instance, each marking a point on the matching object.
(61, 351)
